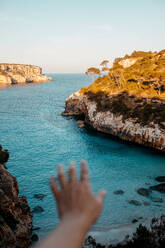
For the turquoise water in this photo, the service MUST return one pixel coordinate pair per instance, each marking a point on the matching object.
(38, 138)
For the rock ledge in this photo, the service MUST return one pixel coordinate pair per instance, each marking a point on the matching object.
(138, 120)
(15, 214)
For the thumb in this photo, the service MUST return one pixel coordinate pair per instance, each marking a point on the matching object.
(101, 195)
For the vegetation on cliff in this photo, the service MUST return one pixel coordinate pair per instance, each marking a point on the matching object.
(92, 71)
(141, 74)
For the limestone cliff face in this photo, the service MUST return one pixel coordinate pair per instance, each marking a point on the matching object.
(15, 214)
(138, 120)
(17, 73)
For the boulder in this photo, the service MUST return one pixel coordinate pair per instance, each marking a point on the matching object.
(119, 192)
(134, 202)
(160, 179)
(159, 187)
(37, 209)
(39, 196)
(143, 191)
(146, 203)
(134, 220)
(34, 238)
(157, 199)
(80, 124)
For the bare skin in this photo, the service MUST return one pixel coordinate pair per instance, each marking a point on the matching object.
(78, 208)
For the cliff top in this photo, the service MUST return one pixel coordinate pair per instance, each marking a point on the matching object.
(8, 64)
(141, 74)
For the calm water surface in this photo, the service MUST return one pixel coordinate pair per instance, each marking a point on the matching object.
(38, 138)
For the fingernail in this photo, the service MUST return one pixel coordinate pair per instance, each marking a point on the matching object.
(104, 192)
(72, 165)
(83, 163)
(60, 169)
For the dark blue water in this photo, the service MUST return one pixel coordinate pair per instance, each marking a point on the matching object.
(38, 138)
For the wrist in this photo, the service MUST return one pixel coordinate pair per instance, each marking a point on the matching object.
(74, 222)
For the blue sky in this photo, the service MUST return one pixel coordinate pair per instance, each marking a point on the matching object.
(72, 35)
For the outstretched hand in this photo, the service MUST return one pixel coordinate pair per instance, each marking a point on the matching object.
(75, 200)
(78, 208)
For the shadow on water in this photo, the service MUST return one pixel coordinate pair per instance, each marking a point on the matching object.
(124, 145)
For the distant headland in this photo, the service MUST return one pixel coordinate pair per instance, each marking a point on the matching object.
(21, 74)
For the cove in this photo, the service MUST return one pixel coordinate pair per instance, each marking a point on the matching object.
(38, 138)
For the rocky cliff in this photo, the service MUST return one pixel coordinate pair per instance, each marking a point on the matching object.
(15, 214)
(127, 103)
(17, 73)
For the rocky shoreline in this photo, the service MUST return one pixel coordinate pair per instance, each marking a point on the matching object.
(138, 120)
(15, 214)
(21, 74)
(146, 235)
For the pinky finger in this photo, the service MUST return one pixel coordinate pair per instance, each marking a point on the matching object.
(53, 186)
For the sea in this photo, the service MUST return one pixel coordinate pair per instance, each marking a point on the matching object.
(39, 138)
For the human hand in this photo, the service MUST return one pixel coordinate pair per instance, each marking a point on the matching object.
(75, 200)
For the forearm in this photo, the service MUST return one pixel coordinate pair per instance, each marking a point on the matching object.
(69, 234)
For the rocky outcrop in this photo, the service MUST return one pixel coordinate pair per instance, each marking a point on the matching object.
(128, 101)
(18, 73)
(15, 214)
(139, 120)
